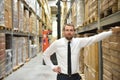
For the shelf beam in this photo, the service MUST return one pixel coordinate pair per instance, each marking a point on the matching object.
(109, 20)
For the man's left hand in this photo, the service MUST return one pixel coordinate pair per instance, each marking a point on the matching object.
(116, 30)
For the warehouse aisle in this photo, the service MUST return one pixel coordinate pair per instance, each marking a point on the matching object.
(33, 70)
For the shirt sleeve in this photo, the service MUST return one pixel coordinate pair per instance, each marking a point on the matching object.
(48, 52)
(96, 38)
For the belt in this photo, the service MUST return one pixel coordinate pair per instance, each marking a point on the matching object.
(71, 75)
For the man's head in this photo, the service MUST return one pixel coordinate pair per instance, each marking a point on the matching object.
(68, 31)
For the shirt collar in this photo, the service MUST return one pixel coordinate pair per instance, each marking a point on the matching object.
(66, 41)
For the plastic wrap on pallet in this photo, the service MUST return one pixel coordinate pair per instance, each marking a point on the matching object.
(119, 5)
(21, 15)
(15, 51)
(2, 55)
(8, 61)
(15, 14)
(38, 9)
(34, 50)
(40, 14)
(20, 51)
(33, 4)
(80, 12)
(27, 1)
(26, 21)
(32, 23)
(24, 51)
(38, 27)
(2, 19)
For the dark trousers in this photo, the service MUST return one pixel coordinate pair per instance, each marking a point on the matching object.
(62, 76)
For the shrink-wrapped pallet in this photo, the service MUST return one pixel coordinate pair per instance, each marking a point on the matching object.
(5, 14)
(80, 12)
(8, 64)
(2, 55)
(20, 15)
(15, 15)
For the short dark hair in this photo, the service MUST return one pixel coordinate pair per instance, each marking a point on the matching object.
(69, 24)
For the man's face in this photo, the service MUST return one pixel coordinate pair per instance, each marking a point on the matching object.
(69, 32)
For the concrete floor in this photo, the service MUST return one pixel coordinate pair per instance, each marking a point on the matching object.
(33, 70)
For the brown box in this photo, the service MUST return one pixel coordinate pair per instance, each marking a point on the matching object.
(2, 56)
(114, 46)
(116, 74)
(107, 67)
(115, 60)
(105, 45)
(6, 13)
(106, 78)
(15, 14)
(118, 4)
(21, 15)
(114, 38)
(114, 53)
(2, 46)
(105, 50)
(90, 74)
(2, 51)
(107, 73)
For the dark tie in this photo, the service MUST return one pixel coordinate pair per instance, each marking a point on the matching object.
(69, 59)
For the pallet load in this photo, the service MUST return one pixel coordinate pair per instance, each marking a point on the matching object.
(5, 14)
(109, 7)
(15, 15)
(2, 55)
(93, 10)
(91, 62)
(8, 64)
(111, 58)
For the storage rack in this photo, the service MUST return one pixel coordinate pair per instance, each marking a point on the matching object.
(31, 38)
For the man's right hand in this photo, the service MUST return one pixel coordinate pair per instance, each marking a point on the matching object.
(57, 69)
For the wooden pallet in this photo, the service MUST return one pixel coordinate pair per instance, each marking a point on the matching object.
(2, 28)
(9, 29)
(16, 30)
(15, 68)
(109, 11)
(93, 19)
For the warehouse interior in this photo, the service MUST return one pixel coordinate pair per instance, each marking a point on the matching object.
(28, 27)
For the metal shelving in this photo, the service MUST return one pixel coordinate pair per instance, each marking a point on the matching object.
(109, 20)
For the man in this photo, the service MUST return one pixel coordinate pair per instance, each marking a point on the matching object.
(67, 68)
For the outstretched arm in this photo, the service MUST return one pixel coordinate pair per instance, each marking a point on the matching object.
(100, 36)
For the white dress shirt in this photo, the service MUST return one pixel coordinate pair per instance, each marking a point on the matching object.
(60, 48)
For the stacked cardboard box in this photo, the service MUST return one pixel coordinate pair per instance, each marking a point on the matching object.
(74, 13)
(2, 55)
(8, 64)
(80, 13)
(119, 5)
(40, 28)
(6, 14)
(32, 23)
(26, 21)
(111, 52)
(20, 51)
(93, 10)
(15, 15)
(109, 7)
(20, 16)
(91, 62)
(86, 13)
